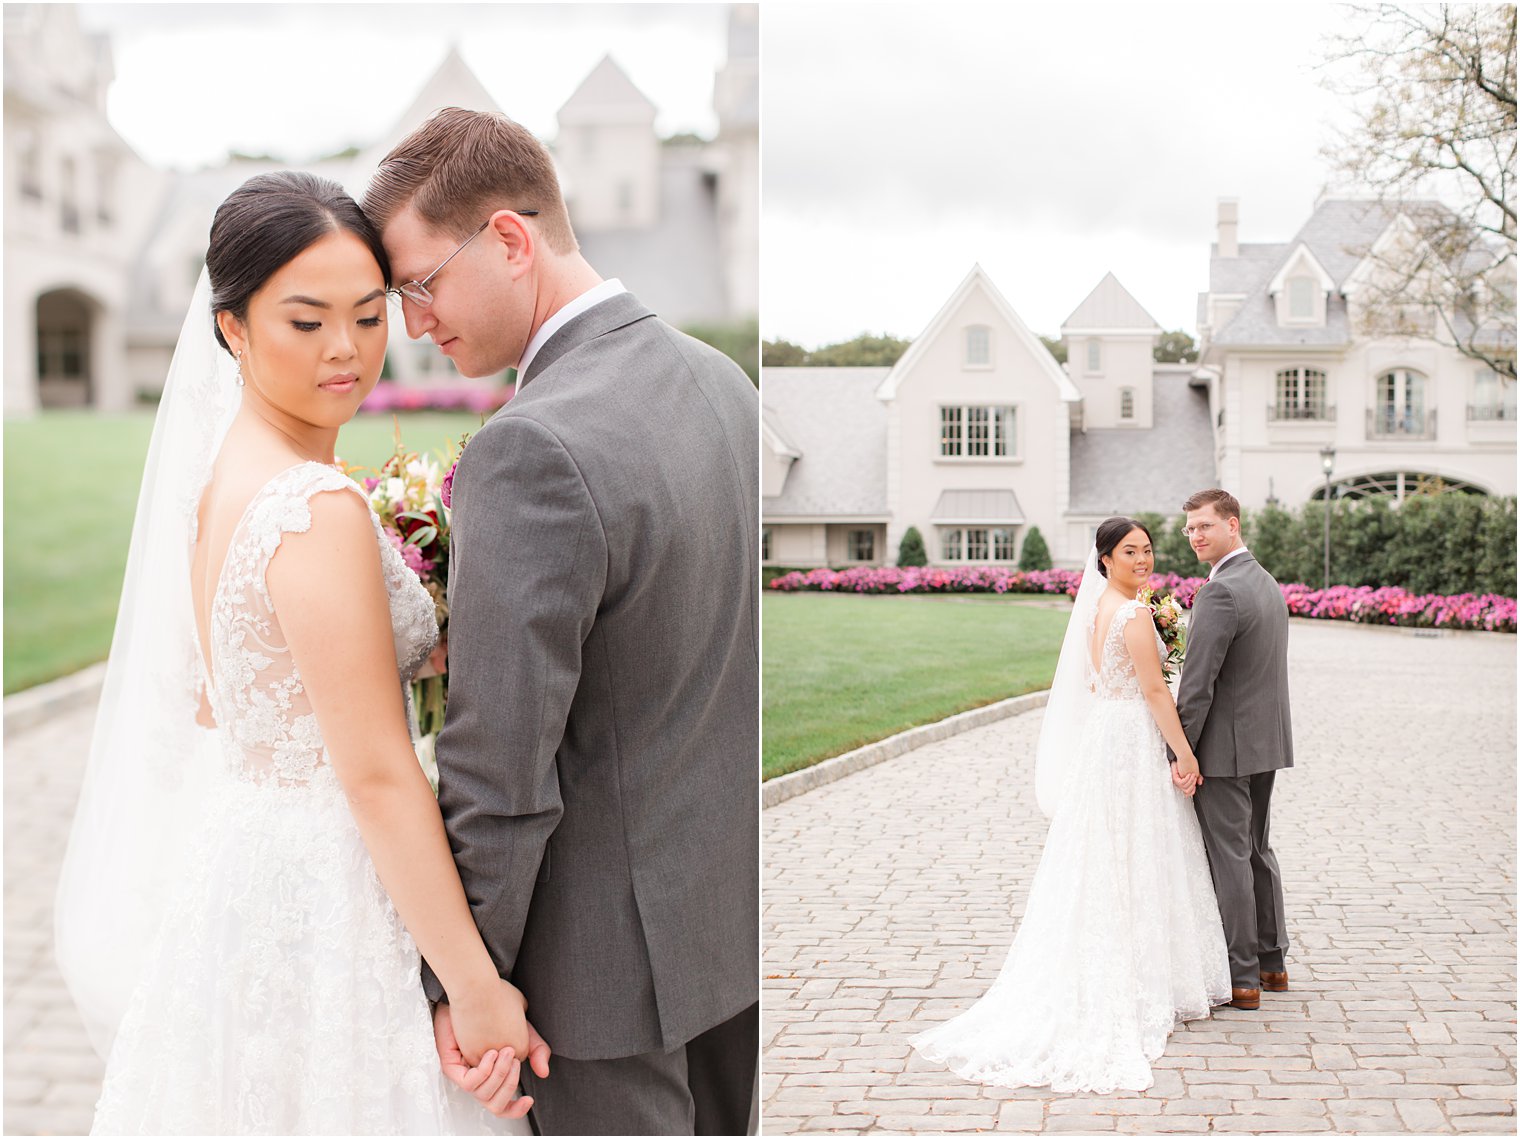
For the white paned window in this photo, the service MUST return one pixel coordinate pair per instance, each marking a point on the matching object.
(1493, 396)
(862, 545)
(1400, 403)
(68, 205)
(1300, 394)
(1002, 437)
(1300, 298)
(1126, 403)
(977, 431)
(31, 171)
(978, 346)
(951, 438)
(1094, 355)
(976, 544)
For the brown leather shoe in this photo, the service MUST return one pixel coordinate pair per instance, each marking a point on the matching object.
(1275, 982)
(1248, 999)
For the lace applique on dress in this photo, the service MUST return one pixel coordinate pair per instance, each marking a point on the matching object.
(1116, 680)
(284, 994)
(257, 693)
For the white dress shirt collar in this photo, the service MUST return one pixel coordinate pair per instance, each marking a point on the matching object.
(1236, 552)
(570, 310)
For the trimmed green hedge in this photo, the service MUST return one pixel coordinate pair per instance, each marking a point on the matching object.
(1447, 544)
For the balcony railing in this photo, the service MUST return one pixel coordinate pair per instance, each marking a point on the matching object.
(1400, 423)
(1489, 412)
(1286, 413)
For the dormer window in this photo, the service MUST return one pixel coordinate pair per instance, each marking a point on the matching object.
(1301, 298)
(978, 346)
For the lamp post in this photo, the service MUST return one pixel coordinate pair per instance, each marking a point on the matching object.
(1327, 461)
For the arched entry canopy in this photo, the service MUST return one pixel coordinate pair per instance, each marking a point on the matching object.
(1397, 485)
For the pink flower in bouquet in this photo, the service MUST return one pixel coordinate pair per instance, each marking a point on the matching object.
(447, 492)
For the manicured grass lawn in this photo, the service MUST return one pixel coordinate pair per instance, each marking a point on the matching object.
(842, 671)
(71, 482)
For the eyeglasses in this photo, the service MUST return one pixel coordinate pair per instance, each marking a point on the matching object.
(1201, 528)
(417, 291)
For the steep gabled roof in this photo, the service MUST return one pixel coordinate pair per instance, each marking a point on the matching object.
(452, 84)
(1115, 470)
(833, 421)
(607, 95)
(1109, 307)
(1301, 255)
(978, 279)
(1338, 234)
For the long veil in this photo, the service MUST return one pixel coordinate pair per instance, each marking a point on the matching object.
(149, 762)
(1071, 694)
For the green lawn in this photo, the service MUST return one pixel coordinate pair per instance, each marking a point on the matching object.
(71, 481)
(843, 670)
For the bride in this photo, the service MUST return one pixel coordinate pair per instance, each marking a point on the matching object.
(257, 858)
(1121, 938)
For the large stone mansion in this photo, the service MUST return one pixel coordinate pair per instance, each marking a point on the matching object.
(102, 251)
(976, 434)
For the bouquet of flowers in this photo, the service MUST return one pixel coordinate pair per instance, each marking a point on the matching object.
(412, 494)
(1167, 614)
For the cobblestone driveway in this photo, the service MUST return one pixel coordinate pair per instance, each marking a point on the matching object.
(889, 897)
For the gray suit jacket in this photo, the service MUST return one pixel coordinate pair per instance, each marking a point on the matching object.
(598, 769)
(1232, 697)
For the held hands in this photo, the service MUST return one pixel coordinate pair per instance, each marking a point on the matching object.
(494, 1080)
(1185, 774)
(495, 1016)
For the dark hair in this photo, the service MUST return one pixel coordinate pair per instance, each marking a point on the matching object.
(1225, 504)
(1110, 531)
(265, 224)
(460, 167)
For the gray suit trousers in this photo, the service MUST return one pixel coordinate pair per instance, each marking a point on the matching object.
(703, 1087)
(1233, 813)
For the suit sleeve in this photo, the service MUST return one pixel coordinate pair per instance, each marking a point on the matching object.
(1209, 635)
(528, 565)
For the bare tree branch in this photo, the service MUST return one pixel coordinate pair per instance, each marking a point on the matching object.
(1434, 94)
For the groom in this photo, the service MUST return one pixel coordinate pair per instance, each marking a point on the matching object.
(1232, 699)
(597, 769)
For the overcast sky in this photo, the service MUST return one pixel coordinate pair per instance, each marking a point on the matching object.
(195, 80)
(1050, 142)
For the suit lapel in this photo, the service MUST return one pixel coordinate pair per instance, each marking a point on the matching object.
(612, 314)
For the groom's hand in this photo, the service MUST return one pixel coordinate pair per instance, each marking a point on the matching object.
(494, 1080)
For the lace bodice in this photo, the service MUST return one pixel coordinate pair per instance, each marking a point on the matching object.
(264, 716)
(1116, 679)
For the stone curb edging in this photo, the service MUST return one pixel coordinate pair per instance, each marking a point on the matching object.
(31, 706)
(784, 787)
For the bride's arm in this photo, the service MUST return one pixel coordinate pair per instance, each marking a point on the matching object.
(329, 593)
(1140, 639)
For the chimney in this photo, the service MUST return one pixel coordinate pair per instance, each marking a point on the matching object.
(1229, 214)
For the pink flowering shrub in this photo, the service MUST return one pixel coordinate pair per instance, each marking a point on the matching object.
(1389, 605)
(391, 396)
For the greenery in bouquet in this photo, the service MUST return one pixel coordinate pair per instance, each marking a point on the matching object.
(411, 494)
(1167, 615)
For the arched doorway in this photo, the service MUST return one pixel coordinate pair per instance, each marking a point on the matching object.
(65, 375)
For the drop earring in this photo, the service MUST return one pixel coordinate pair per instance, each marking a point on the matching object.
(239, 369)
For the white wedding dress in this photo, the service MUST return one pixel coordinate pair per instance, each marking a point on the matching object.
(283, 994)
(1121, 937)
